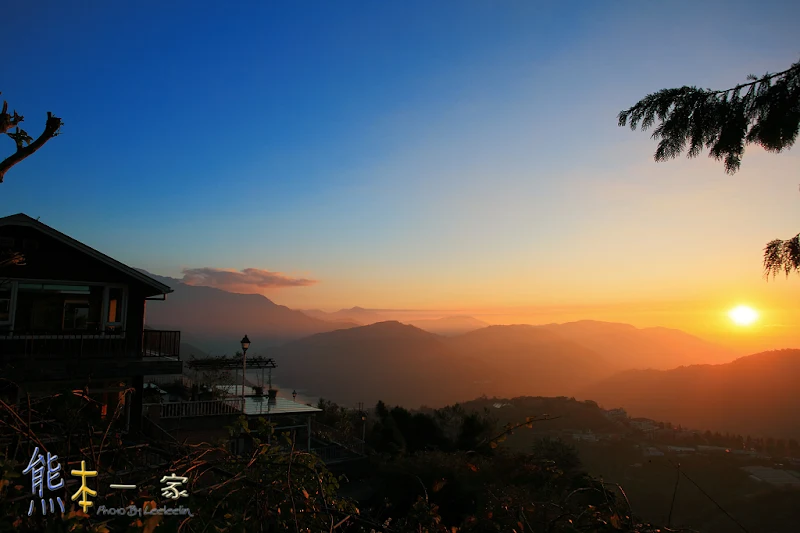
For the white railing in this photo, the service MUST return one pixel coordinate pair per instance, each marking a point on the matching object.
(229, 406)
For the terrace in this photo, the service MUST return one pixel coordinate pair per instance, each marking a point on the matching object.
(197, 411)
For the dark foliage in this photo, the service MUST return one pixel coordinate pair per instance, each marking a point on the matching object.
(398, 430)
(764, 111)
(782, 256)
(768, 114)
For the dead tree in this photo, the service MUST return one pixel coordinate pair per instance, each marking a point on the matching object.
(26, 145)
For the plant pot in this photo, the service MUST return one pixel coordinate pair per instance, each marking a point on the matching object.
(272, 393)
(258, 391)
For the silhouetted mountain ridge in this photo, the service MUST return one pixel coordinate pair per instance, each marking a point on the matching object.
(215, 319)
(625, 346)
(755, 394)
(395, 362)
(355, 314)
(449, 325)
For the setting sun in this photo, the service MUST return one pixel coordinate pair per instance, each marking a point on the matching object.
(743, 315)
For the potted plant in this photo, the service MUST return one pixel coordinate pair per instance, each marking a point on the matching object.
(258, 390)
(272, 393)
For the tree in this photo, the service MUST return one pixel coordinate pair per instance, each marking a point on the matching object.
(767, 114)
(25, 144)
(782, 256)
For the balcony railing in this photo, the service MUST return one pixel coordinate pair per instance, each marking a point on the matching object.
(43, 345)
(230, 406)
(157, 343)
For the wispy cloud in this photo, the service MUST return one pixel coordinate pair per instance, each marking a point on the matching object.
(247, 280)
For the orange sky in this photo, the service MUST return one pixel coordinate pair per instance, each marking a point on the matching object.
(674, 244)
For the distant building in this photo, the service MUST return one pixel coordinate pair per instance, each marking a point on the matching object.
(712, 449)
(616, 414)
(680, 449)
(773, 476)
(749, 453)
(652, 452)
(644, 424)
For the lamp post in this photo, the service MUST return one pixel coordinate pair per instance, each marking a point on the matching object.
(245, 345)
(363, 427)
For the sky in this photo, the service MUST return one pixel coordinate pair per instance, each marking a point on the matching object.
(445, 157)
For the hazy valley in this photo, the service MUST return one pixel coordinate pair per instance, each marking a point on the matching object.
(661, 373)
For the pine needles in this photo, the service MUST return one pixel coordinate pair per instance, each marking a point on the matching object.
(764, 111)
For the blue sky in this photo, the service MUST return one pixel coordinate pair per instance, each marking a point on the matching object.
(401, 153)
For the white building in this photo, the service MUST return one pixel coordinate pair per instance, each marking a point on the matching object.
(652, 452)
(680, 449)
(773, 476)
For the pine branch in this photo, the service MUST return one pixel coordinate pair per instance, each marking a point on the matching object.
(756, 80)
(724, 121)
(782, 256)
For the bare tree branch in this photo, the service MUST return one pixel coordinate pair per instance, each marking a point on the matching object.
(25, 147)
(8, 121)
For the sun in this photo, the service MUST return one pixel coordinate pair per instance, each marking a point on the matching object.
(743, 315)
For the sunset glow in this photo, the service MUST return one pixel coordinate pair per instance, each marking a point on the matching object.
(743, 315)
(435, 189)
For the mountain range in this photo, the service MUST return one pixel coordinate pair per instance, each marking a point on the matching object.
(402, 364)
(215, 320)
(391, 361)
(627, 347)
(660, 373)
(357, 316)
(756, 394)
(447, 325)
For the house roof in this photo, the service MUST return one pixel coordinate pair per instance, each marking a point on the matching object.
(21, 219)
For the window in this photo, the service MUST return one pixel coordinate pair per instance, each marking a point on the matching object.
(116, 306)
(54, 308)
(76, 315)
(45, 308)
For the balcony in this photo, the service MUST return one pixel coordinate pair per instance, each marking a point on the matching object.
(157, 343)
(110, 345)
(50, 355)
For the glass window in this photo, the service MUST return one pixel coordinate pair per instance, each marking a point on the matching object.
(114, 305)
(43, 309)
(76, 315)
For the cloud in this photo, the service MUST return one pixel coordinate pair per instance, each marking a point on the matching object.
(247, 281)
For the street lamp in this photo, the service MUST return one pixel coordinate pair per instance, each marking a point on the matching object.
(245, 345)
(294, 395)
(363, 426)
